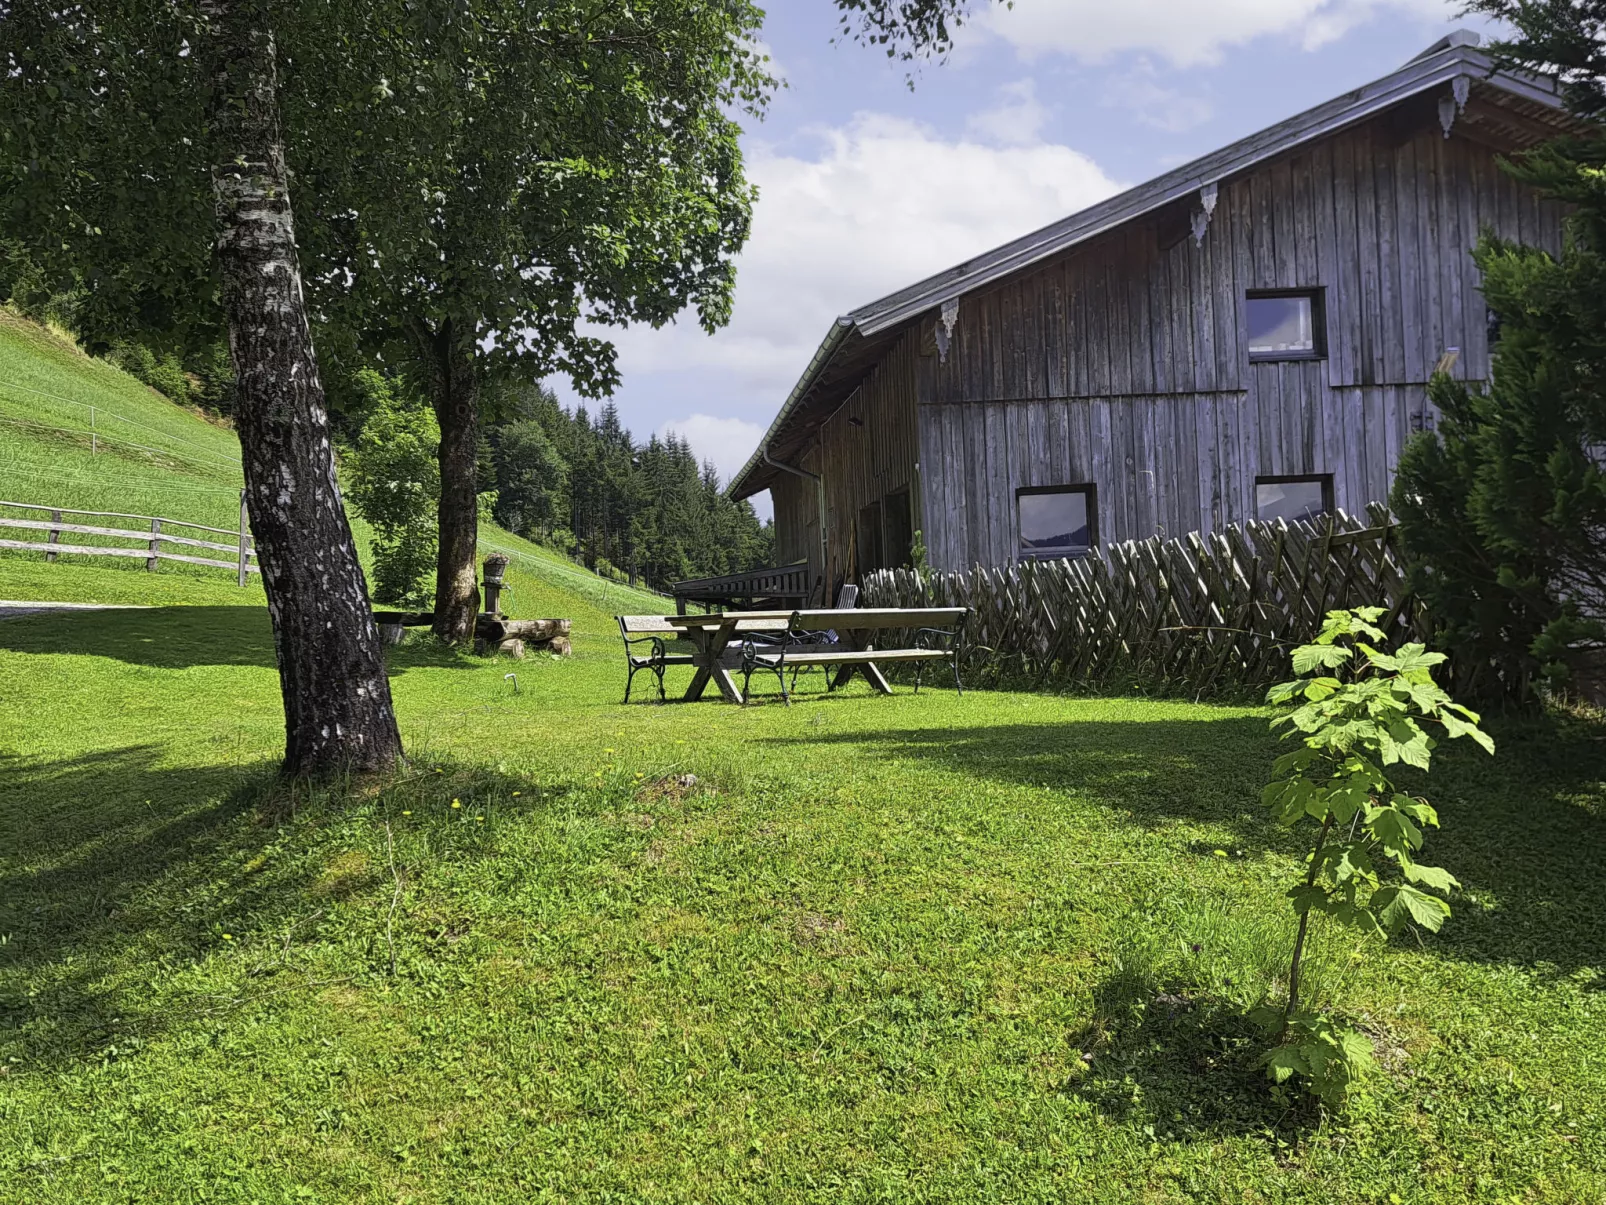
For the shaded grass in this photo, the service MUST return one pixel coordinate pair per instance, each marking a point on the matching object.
(923, 949)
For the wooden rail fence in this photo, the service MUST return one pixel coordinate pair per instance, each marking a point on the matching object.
(1198, 615)
(157, 533)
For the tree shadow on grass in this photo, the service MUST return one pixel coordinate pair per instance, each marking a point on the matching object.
(1152, 773)
(116, 870)
(1525, 832)
(1182, 1064)
(182, 637)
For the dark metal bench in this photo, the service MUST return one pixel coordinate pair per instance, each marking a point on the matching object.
(657, 631)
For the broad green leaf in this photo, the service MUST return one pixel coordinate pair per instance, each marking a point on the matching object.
(1397, 905)
(1419, 810)
(1309, 657)
(1394, 829)
(1318, 689)
(1283, 1062)
(1353, 861)
(1308, 896)
(1431, 876)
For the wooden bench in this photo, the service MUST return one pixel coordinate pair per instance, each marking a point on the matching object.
(937, 633)
(657, 631)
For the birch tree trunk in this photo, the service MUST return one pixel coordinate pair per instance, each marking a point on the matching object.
(337, 706)
(454, 389)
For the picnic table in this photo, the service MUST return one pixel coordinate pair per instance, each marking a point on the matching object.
(711, 635)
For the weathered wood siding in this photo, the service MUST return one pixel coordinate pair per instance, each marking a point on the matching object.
(869, 450)
(797, 523)
(1124, 364)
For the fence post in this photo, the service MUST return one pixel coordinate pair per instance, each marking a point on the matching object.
(242, 537)
(156, 541)
(92, 438)
(55, 535)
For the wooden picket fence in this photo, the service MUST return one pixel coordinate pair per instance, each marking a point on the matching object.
(47, 524)
(1200, 615)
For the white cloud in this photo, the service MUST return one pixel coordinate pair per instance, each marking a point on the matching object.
(1186, 32)
(1141, 95)
(877, 205)
(726, 441)
(1017, 119)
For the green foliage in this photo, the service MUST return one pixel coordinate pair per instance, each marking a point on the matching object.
(645, 510)
(918, 557)
(907, 29)
(1562, 39)
(1356, 711)
(162, 372)
(1502, 508)
(532, 481)
(1329, 1055)
(393, 479)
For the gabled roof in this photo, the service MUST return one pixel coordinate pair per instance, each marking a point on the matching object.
(853, 344)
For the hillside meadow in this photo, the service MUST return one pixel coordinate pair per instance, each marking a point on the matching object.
(990, 948)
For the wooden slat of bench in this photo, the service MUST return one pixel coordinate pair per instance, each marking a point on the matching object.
(856, 657)
(648, 625)
(668, 659)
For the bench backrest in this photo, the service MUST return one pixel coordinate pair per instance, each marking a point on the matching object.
(847, 598)
(645, 625)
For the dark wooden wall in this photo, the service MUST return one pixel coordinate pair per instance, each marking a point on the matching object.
(1123, 364)
(862, 462)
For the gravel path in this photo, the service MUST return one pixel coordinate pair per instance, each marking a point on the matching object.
(10, 609)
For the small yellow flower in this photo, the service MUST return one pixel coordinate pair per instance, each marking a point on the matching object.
(516, 794)
(406, 813)
(228, 937)
(457, 803)
(607, 750)
(479, 817)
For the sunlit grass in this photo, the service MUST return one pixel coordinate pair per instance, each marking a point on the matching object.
(990, 948)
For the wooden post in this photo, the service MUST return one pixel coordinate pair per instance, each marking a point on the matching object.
(495, 576)
(92, 440)
(55, 534)
(156, 542)
(243, 537)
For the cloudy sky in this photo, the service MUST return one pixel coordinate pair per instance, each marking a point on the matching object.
(866, 186)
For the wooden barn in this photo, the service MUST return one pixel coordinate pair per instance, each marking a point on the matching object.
(1248, 335)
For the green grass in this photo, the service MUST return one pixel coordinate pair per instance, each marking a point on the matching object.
(910, 949)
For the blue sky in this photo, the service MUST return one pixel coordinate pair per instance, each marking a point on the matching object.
(866, 186)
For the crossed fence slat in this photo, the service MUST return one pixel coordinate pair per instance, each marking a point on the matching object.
(1201, 614)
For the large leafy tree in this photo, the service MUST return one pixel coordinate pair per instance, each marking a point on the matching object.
(141, 150)
(1504, 508)
(520, 176)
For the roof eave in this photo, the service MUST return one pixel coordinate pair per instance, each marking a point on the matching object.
(1350, 109)
(822, 357)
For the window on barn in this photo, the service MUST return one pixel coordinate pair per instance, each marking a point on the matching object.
(1057, 520)
(1285, 324)
(1293, 499)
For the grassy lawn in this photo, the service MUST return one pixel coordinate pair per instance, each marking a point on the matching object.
(990, 948)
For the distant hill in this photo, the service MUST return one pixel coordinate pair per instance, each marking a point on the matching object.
(78, 433)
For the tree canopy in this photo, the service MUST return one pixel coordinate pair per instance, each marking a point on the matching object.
(1503, 509)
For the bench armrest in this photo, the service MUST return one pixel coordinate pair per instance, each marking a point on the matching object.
(658, 646)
